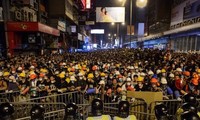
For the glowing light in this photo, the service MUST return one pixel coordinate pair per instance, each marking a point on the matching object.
(141, 3)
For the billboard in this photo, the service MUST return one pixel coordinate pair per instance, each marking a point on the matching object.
(110, 14)
(97, 31)
(184, 12)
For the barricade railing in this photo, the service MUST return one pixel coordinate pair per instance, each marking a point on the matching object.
(69, 97)
(22, 110)
(53, 115)
(172, 106)
(138, 106)
(12, 96)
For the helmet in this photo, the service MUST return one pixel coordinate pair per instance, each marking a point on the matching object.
(190, 98)
(123, 109)
(97, 107)
(158, 71)
(37, 112)
(6, 109)
(140, 79)
(171, 75)
(142, 74)
(103, 75)
(160, 111)
(22, 75)
(33, 76)
(90, 75)
(198, 70)
(70, 110)
(1, 74)
(154, 80)
(128, 79)
(163, 71)
(6, 74)
(189, 115)
(163, 80)
(42, 74)
(150, 72)
(178, 69)
(186, 73)
(189, 107)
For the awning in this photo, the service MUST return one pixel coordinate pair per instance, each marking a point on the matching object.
(32, 27)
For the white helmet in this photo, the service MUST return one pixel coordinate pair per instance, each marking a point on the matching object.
(128, 79)
(150, 72)
(102, 82)
(158, 71)
(1, 73)
(171, 75)
(178, 69)
(163, 80)
(142, 74)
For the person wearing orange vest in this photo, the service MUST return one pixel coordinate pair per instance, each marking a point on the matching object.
(123, 112)
(97, 111)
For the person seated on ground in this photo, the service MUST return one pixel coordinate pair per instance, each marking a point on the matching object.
(71, 112)
(97, 111)
(123, 112)
(6, 111)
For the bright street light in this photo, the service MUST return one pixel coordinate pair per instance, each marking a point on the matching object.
(112, 23)
(141, 3)
(123, 23)
(109, 34)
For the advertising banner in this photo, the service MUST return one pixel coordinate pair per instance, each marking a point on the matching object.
(110, 14)
(185, 12)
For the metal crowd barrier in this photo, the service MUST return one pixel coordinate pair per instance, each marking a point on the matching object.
(172, 106)
(138, 107)
(12, 96)
(22, 110)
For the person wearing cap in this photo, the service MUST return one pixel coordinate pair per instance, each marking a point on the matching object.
(97, 111)
(33, 85)
(167, 91)
(91, 84)
(3, 83)
(24, 86)
(128, 86)
(155, 85)
(42, 86)
(12, 85)
(123, 112)
(140, 86)
(81, 84)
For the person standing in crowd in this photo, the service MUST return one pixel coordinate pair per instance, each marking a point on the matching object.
(3, 83)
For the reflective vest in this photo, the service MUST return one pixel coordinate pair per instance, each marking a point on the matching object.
(130, 117)
(103, 117)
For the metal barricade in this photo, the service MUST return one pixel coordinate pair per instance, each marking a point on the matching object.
(22, 110)
(172, 106)
(138, 108)
(12, 96)
(69, 97)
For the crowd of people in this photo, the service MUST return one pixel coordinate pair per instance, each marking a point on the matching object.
(110, 72)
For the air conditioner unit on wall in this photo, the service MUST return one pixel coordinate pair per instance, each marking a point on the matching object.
(18, 15)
